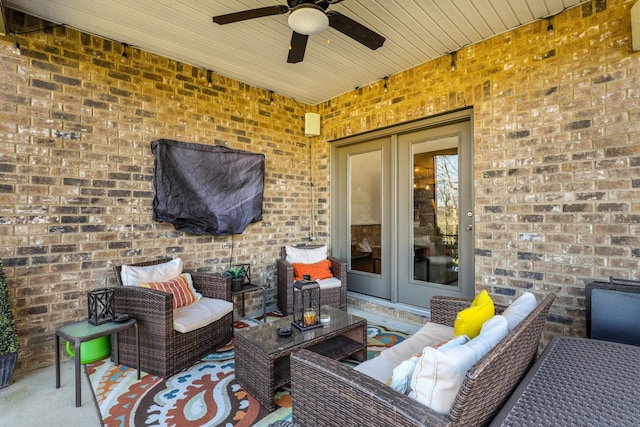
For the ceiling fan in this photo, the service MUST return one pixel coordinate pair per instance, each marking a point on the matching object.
(308, 17)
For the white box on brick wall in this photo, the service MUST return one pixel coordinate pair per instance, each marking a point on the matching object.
(311, 124)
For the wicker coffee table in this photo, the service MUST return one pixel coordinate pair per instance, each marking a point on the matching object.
(262, 357)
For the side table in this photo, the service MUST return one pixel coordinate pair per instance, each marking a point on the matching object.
(250, 287)
(79, 332)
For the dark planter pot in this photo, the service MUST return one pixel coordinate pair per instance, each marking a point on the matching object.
(236, 284)
(7, 365)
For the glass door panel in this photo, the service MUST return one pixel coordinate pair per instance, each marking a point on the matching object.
(366, 211)
(435, 212)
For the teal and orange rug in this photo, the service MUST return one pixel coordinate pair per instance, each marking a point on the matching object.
(206, 394)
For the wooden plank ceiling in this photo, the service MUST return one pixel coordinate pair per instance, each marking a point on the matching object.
(255, 51)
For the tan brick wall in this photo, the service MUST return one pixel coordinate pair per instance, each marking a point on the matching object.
(76, 170)
(556, 170)
(556, 141)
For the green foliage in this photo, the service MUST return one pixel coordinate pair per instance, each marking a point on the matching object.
(235, 272)
(8, 333)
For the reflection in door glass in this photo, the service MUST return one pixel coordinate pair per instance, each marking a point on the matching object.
(435, 212)
(365, 194)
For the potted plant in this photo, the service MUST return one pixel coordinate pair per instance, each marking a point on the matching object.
(8, 334)
(237, 273)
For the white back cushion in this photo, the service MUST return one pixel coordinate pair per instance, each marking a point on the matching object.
(132, 275)
(519, 309)
(305, 255)
(430, 335)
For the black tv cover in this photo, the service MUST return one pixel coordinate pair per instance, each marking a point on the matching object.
(205, 189)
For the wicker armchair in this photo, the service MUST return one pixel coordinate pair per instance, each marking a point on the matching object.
(163, 350)
(335, 297)
(344, 397)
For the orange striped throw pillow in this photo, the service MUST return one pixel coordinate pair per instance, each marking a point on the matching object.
(181, 287)
(319, 270)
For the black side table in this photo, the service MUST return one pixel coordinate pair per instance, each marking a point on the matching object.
(249, 287)
(79, 332)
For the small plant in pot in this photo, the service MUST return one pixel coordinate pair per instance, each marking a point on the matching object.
(8, 334)
(237, 274)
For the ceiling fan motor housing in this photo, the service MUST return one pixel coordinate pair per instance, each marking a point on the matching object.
(308, 19)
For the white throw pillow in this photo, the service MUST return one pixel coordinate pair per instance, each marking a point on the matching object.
(401, 378)
(519, 309)
(132, 275)
(305, 255)
(439, 374)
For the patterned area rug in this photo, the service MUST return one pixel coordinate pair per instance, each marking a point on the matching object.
(206, 394)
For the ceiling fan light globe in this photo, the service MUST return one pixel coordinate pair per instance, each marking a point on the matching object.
(308, 19)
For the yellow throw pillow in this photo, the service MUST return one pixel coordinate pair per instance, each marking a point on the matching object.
(469, 321)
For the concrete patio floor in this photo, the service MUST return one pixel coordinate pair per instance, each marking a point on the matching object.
(32, 399)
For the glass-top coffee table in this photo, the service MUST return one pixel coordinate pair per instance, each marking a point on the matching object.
(262, 357)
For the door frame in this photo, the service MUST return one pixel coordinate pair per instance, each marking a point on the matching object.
(336, 220)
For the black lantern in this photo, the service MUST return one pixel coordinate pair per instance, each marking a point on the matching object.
(306, 305)
(100, 306)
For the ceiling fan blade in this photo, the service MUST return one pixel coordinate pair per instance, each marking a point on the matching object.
(355, 30)
(230, 18)
(298, 46)
(325, 3)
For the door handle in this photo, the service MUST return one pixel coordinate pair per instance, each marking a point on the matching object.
(469, 227)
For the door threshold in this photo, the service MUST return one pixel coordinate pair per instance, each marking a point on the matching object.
(397, 311)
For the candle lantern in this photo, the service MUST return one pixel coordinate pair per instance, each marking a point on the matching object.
(100, 306)
(306, 305)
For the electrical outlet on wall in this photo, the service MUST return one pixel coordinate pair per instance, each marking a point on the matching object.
(227, 245)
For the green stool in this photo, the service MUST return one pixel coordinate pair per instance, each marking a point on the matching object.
(91, 351)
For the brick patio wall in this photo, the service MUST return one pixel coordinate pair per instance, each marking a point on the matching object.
(556, 150)
(76, 171)
(556, 136)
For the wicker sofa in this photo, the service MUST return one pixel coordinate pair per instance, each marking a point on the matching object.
(163, 350)
(344, 397)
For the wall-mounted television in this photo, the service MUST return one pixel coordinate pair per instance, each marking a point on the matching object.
(206, 189)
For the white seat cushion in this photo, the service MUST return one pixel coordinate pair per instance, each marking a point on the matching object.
(332, 282)
(381, 367)
(200, 313)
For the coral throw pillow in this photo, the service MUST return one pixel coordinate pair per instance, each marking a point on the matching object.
(317, 271)
(181, 287)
